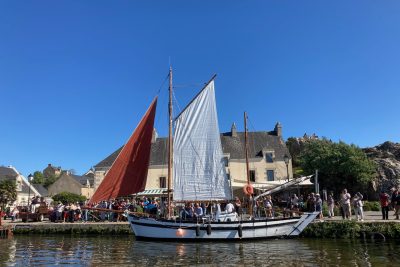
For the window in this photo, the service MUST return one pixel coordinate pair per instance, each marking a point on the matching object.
(252, 175)
(163, 182)
(270, 175)
(225, 160)
(269, 157)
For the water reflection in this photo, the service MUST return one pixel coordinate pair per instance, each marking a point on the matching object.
(102, 251)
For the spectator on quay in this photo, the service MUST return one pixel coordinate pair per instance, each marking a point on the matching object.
(78, 212)
(35, 204)
(384, 199)
(59, 211)
(331, 206)
(72, 211)
(396, 202)
(318, 206)
(358, 206)
(14, 213)
(85, 212)
(345, 203)
(311, 205)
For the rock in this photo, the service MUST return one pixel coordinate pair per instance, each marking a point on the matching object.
(387, 158)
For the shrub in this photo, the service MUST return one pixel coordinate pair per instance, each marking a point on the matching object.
(372, 206)
(67, 197)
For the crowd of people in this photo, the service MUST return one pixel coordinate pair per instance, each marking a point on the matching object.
(390, 202)
(262, 207)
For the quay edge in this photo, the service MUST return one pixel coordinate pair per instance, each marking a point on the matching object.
(326, 230)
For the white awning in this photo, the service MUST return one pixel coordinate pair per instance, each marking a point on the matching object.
(153, 192)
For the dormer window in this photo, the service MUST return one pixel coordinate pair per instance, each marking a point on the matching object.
(225, 160)
(269, 157)
(163, 182)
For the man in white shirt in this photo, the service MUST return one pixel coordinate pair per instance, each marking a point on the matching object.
(230, 208)
(345, 203)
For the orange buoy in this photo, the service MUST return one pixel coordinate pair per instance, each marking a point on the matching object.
(248, 189)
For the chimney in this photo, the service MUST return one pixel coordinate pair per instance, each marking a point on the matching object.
(233, 130)
(278, 129)
(155, 136)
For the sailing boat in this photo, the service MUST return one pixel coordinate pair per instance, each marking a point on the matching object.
(195, 161)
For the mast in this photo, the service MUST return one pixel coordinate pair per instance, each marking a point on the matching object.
(170, 143)
(247, 162)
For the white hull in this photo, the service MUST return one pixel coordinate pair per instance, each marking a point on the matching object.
(148, 228)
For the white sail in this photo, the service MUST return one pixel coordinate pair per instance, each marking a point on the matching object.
(199, 170)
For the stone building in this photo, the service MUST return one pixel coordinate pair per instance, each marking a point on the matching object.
(25, 190)
(52, 171)
(67, 182)
(266, 161)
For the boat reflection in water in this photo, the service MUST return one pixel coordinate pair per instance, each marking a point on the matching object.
(104, 251)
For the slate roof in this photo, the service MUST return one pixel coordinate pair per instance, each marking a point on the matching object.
(233, 145)
(41, 189)
(25, 188)
(7, 173)
(83, 179)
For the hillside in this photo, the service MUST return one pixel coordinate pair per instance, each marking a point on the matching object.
(387, 158)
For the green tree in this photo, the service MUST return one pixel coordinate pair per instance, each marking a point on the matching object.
(38, 178)
(8, 192)
(49, 181)
(294, 147)
(339, 165)
(67, 197)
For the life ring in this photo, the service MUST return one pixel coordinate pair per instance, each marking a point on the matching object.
(248, 189)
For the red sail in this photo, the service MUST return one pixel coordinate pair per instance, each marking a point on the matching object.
(128, 174)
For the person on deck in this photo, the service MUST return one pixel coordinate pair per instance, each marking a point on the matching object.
(198, 211)
(187, 212)
(230, 208)
(268, 206)
(238, 205)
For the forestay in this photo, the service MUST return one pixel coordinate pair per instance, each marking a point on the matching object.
(199, 170)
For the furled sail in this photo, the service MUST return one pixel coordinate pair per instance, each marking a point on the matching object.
(199, 170)
(128, 174)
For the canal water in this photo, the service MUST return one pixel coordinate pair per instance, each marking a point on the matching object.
(125, 251)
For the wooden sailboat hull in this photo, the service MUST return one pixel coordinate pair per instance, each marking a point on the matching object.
(168, 230)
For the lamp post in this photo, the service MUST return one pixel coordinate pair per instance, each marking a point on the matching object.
(286, 159)
(30, 178)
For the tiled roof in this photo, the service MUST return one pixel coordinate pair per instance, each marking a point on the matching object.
(230, 145)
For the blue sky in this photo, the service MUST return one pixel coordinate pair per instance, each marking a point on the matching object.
(76, 76)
